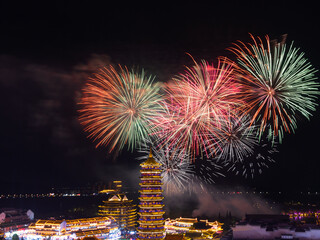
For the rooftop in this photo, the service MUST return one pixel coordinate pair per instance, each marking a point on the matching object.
(150, 161)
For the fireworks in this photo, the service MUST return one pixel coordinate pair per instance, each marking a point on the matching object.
(220, 111)
(196, 105)
(118, 107)
(253, 164)
(175, 166)
(278, 83)
(239, 140)
(207, 170)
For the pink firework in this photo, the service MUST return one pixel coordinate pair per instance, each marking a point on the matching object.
(197, 104)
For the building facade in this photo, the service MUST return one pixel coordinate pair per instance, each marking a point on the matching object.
(99, 227)
(151, 222)
(121, 209)
(203, 228)
(12, 219)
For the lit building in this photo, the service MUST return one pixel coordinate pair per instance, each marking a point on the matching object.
(192, 225)
(305, 216)
(100, 227)
(119, 207)
(179, 225)
(151, 222)
(115, 188)
(12, 219)
(273, 227)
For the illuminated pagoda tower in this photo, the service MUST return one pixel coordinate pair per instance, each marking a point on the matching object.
(151, 222)
(119, 207)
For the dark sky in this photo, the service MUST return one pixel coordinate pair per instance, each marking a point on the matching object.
(49, 48)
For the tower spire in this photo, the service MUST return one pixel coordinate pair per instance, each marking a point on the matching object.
(151, 221)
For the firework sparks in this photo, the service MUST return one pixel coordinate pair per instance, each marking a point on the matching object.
(175, 166)
(118, 107)
(254, 164)
(196, 105)
(238, 141)
(207, 170)
(278, 84)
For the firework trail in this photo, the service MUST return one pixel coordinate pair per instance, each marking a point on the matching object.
(118, 107)
(238, 140)
(175, 166)
(196, 105)
(254, 164)
(207, 170)
(278, 83)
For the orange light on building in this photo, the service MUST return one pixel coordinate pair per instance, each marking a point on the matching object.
(151, 222)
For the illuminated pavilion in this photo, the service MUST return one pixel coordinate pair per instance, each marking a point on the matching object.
(74, 229)
(120, 208)
(151, 222)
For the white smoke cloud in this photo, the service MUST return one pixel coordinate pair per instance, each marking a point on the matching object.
(210, 201)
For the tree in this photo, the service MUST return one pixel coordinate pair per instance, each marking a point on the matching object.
(15, 237)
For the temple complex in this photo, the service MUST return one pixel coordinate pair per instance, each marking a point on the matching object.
(185, 226)
(99, 227)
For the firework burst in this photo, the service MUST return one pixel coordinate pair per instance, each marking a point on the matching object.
(254, 164)
(207, 170)
(118, 107)
(238, 141)
(175, 165)
(196, 105)
(278, 83)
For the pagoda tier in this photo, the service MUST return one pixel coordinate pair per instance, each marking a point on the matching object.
(151, 222)
(121, 209)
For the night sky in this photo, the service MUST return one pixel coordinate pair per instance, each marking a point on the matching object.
(48, 49)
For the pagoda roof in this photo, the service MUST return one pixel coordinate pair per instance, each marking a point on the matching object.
(150, 161)
(108, 191)
(114, 198)
(118, 197)
(187, 220)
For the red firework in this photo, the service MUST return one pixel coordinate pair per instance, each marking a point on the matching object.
(197, 104)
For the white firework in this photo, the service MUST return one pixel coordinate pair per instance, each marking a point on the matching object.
(207, 170)
(238, 140)
(175, 165)
(254, 164)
